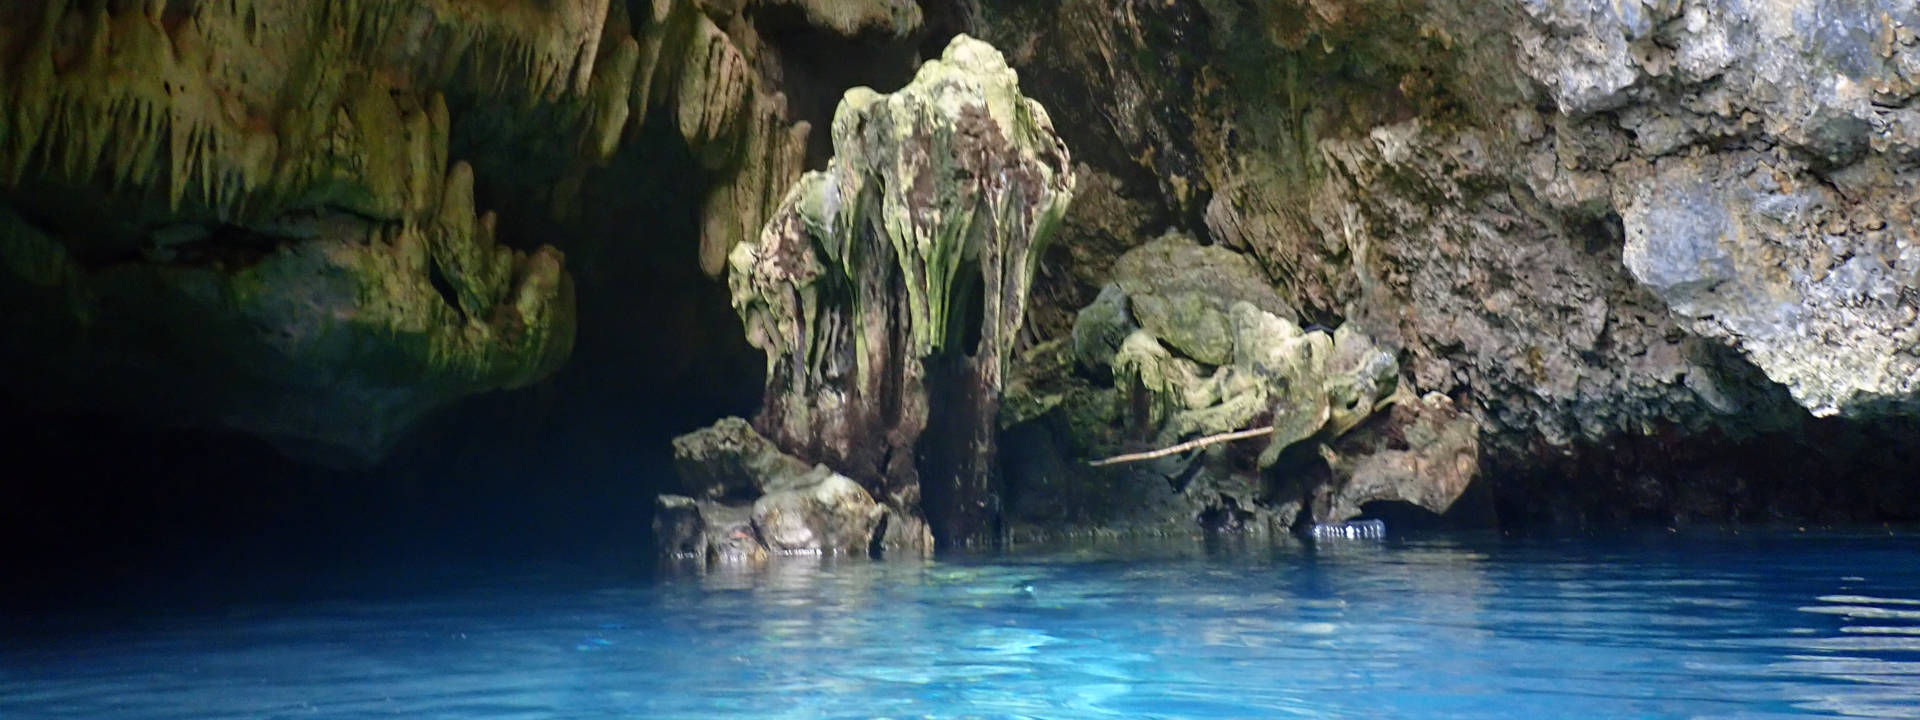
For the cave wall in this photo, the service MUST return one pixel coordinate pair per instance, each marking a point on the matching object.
(255, 303)
(1638, 244)
(1635, 241)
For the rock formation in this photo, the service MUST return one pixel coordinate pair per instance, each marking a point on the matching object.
(1558, 244)
(1590, 225)
(261, 215)
(743, 500)
(1207, 349)
(887, 290)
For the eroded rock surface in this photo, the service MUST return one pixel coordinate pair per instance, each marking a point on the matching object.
(261, 215)
(1426, 453)
(1246, 369)
(1589, 224)
(888, 289)
(743, 501)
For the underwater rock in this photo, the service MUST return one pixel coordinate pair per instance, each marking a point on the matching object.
(887, 290)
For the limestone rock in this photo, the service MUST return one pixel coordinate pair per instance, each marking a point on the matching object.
(852, 17)
(729, 460)
(1821, 309)
(1306, 383)
(860, 290)
(1180, 291)
(751, 501)
(1034, 380)
(186, 156)
(706, 532)
(1100, 328)
(678, 526)
(830, 514)
(1594, 223)
(1426, 453)
(330, 345)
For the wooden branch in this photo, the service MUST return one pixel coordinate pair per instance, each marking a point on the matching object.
(1185, 446)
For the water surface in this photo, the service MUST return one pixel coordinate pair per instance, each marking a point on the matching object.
(1715, 625)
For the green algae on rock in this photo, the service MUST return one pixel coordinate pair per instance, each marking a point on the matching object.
(1312, 390)
(888, 289)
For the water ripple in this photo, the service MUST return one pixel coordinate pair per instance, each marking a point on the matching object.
(1704, 627)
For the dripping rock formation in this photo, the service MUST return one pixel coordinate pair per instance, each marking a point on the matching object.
(1552, 261)
(887, 290)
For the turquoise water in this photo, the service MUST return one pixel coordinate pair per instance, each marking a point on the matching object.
(1713, 625)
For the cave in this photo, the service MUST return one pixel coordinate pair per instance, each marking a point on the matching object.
(985, 358)
(563, 470)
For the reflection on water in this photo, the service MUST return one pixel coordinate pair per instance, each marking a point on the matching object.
(1734, 626)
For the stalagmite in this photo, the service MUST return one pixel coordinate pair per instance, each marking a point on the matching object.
(887, 290)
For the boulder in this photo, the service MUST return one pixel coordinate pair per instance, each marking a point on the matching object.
(1425, 453)
(730, 461)
(750, 500)
(706, 532)
(1181, 291)
(831, 514)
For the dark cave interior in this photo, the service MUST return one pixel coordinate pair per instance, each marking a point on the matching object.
(100, 508)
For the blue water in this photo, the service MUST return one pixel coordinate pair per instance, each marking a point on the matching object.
(1714, 625)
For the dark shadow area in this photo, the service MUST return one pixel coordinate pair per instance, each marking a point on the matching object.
(1402, 517)
(105, 512)
(815, 66)
(1823, 471)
